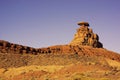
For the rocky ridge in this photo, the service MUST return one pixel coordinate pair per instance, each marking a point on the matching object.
(85, 42)
(10, 48)
(84, 58)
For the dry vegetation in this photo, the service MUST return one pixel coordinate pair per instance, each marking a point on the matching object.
(57, 67)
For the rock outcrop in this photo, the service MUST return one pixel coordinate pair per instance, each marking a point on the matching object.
(7, 47)
(85, 43)
(85, 36)
(10, 48)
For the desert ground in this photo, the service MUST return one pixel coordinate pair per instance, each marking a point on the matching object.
(57, 67)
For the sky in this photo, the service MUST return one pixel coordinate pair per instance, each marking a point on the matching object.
(43, 23)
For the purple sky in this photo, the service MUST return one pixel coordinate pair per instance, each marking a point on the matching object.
(42, 23)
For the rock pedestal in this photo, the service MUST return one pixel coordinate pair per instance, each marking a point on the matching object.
(85, 36)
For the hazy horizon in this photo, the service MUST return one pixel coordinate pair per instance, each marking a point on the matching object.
(42, 23)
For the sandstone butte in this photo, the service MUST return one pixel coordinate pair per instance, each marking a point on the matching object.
(85, 42)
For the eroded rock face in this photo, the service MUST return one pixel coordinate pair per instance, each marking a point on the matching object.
(85, 36)
(7, 47)
(85, 43)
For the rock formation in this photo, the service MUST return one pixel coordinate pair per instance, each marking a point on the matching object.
(7, 47)
(80, 45)
(10, 48)
(85, 36)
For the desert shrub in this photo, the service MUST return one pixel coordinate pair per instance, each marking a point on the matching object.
(81, 76)
(1, 79)
(33, 78)
(105, 79)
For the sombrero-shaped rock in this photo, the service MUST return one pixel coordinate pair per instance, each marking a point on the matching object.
(83, 23)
